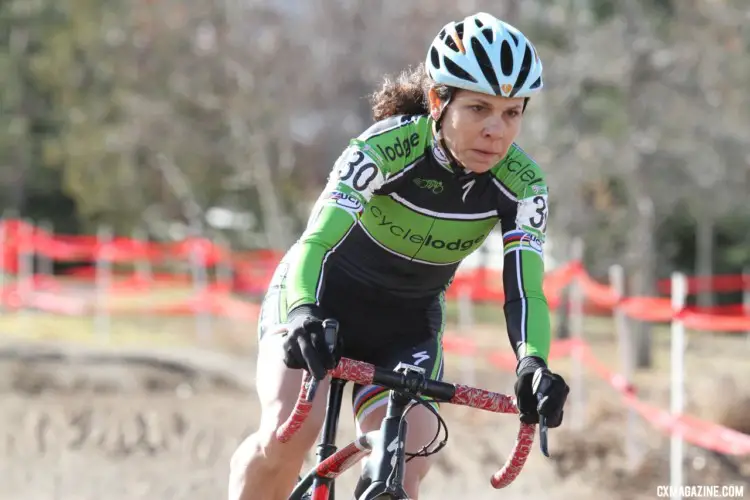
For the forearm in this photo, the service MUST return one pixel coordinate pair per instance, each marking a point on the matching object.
(526, 310)
(528, 325)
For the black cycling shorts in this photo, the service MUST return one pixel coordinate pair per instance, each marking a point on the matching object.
(375, 328)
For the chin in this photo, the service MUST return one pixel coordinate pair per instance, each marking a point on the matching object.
(479, 168)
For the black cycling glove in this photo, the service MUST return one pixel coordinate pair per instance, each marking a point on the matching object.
(305, 346)
(540, 392)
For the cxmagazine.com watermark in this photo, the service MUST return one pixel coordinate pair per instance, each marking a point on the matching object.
(702, 491)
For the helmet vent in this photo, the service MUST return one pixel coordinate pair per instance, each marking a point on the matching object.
(460, 30)
(506, 58)
(488, 34)
(484, 63)
(450, 42)
(524, 73)
(457, 70)
(435, 57)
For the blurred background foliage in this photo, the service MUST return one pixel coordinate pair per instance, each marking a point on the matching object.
(179, 117)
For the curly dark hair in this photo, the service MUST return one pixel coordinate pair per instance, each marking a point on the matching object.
(406, 94)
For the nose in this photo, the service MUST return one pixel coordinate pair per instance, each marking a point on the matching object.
(494, 128)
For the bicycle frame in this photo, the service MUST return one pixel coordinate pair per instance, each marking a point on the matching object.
(383, 473)
(384, 470)
(326, 447)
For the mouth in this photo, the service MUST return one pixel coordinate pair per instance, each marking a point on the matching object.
(485, 155)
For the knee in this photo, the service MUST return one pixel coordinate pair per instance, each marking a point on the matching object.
(255, 462)
(263, 449)
(250, 452)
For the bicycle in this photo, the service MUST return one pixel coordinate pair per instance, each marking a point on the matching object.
(382, 477)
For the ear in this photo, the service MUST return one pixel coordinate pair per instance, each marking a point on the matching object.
(436, 106)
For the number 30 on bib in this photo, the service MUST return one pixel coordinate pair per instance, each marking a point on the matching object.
(532, 215)
(358, 171)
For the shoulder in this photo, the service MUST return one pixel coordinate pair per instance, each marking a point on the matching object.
(397, 124)
(382, 150)
(520, 175)
(395, 141)
(521, 179)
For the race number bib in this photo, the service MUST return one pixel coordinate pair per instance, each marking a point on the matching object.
(532, 215)
(357, 171)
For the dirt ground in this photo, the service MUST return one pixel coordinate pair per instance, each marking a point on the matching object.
(146, 421)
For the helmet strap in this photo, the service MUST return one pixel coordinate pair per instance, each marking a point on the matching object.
(457, 167)
(437, 114)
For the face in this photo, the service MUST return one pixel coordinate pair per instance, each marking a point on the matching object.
(478, 129)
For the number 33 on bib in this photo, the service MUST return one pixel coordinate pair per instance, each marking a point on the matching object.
(532, 212)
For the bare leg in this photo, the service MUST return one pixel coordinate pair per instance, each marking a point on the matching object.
(262, 468)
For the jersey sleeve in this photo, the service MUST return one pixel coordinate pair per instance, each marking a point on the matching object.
(356, 174)
(381, 151)
(526, 310)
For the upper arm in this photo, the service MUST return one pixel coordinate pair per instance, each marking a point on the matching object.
(355, 177)
(367, 163)
(356, 174)
(524, 236)
(532, 212)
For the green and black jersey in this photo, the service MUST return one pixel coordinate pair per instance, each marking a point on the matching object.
(397, 217)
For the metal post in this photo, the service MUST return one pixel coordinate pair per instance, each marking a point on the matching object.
(576, 325)
(200, 288)
(224, 266)
(627, 359)
(679, 292)
(25, 268)
(46, 263)
(103, 281)
(142, 265)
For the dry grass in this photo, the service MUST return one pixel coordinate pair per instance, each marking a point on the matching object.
(716, 377)
(130, 330)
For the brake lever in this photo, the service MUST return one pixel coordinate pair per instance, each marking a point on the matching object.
(543, 442)
(330, 331)
(312, 388)
(543, 435)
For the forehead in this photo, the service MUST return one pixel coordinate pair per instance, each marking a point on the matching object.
(491, 100)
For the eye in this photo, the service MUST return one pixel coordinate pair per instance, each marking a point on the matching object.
(513, 113)
(477, 108)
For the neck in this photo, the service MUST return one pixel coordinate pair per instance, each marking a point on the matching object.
(441, 152)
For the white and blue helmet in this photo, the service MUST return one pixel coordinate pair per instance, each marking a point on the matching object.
(484, 54)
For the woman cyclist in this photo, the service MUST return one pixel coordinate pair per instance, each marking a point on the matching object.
(406, 201)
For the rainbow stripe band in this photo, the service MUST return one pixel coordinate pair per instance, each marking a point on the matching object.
(521, 240)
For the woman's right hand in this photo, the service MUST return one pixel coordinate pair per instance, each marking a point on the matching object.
(305, 346)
